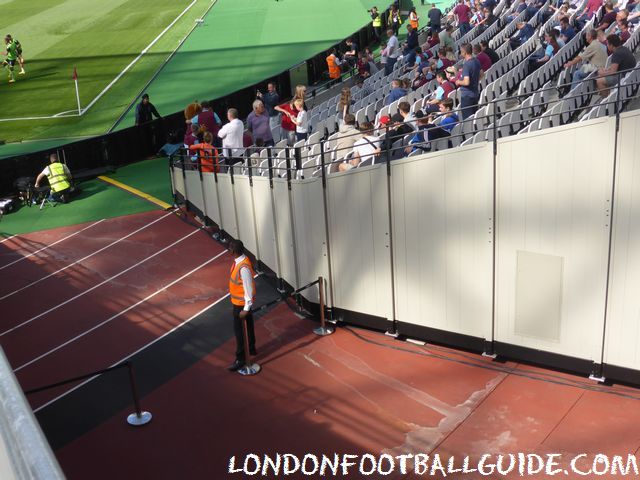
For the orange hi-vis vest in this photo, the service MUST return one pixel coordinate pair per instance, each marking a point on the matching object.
(413, 20)
(334, 69)
(236, 289)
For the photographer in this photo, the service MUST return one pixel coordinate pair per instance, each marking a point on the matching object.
(376, 22)
(59, 178)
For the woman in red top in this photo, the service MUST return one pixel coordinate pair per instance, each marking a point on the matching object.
(288, 127)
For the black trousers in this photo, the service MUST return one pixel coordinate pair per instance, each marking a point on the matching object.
(237, 328)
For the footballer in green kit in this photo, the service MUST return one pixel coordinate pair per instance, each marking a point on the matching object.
(14, 54)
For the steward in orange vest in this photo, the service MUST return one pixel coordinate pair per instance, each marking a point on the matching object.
(242, 290)
(334, 65)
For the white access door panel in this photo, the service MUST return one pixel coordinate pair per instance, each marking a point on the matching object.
(228, 221)
(553, 200)
(178, 180)
(622, 346)
(311, 235)
(359, 237)
(442, 211)
(265, 224)
(285, 232)
(193, 186)
(244, 212)
(211, 197)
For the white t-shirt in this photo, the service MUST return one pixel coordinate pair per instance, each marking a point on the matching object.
(365, 147)
(393, 47)
(231, 135)
(303, 122)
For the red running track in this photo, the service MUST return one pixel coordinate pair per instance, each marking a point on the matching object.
(110, 305)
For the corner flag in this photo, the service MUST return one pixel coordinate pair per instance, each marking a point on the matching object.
(75, 79)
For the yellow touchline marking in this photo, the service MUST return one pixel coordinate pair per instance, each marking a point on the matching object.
(137, 192)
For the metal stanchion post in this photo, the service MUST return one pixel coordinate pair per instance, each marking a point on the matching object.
(138, 418)
(322, 330)
(249, 368)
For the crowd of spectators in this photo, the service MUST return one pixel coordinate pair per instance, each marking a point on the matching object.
(457, 71)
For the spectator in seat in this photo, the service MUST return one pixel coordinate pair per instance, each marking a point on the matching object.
(495, 58)
(522, 6)
(207, 154)
(483, 58)
(567, 32)
(488, 19)
(420, 78)
(363, 66)
(550, 49)
(396, 92)
(366, 148)
(622, 59)
(469, 94)
(347, 135)
(609, 17)
(524, 32)
(590, 10)
(445, 87)
(232, 137)
(443, 61)
(258, 124)
(271, 100)
(462, 13)
(431, 131)
(623, 30)
(408, 118)
(594, 57)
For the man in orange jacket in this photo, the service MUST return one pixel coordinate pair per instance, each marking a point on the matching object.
(242, 290)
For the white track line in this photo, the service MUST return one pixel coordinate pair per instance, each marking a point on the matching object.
(133, 62)
(169, 332)
(84, 292)
(8, 238)
(84, 258)
(48, 246)
(113, 317)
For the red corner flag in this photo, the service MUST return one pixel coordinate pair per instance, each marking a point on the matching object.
(75, 74)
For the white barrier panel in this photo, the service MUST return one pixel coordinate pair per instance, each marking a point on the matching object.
(553, 236)
(442, 205)
(359, 235)
(265, 224)
(622, 347)
(178, 181)
(284, 232)
(244, 213)
(24, 451)
(311, 235)
(211, 197)
(194, 189)
(228, 222)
